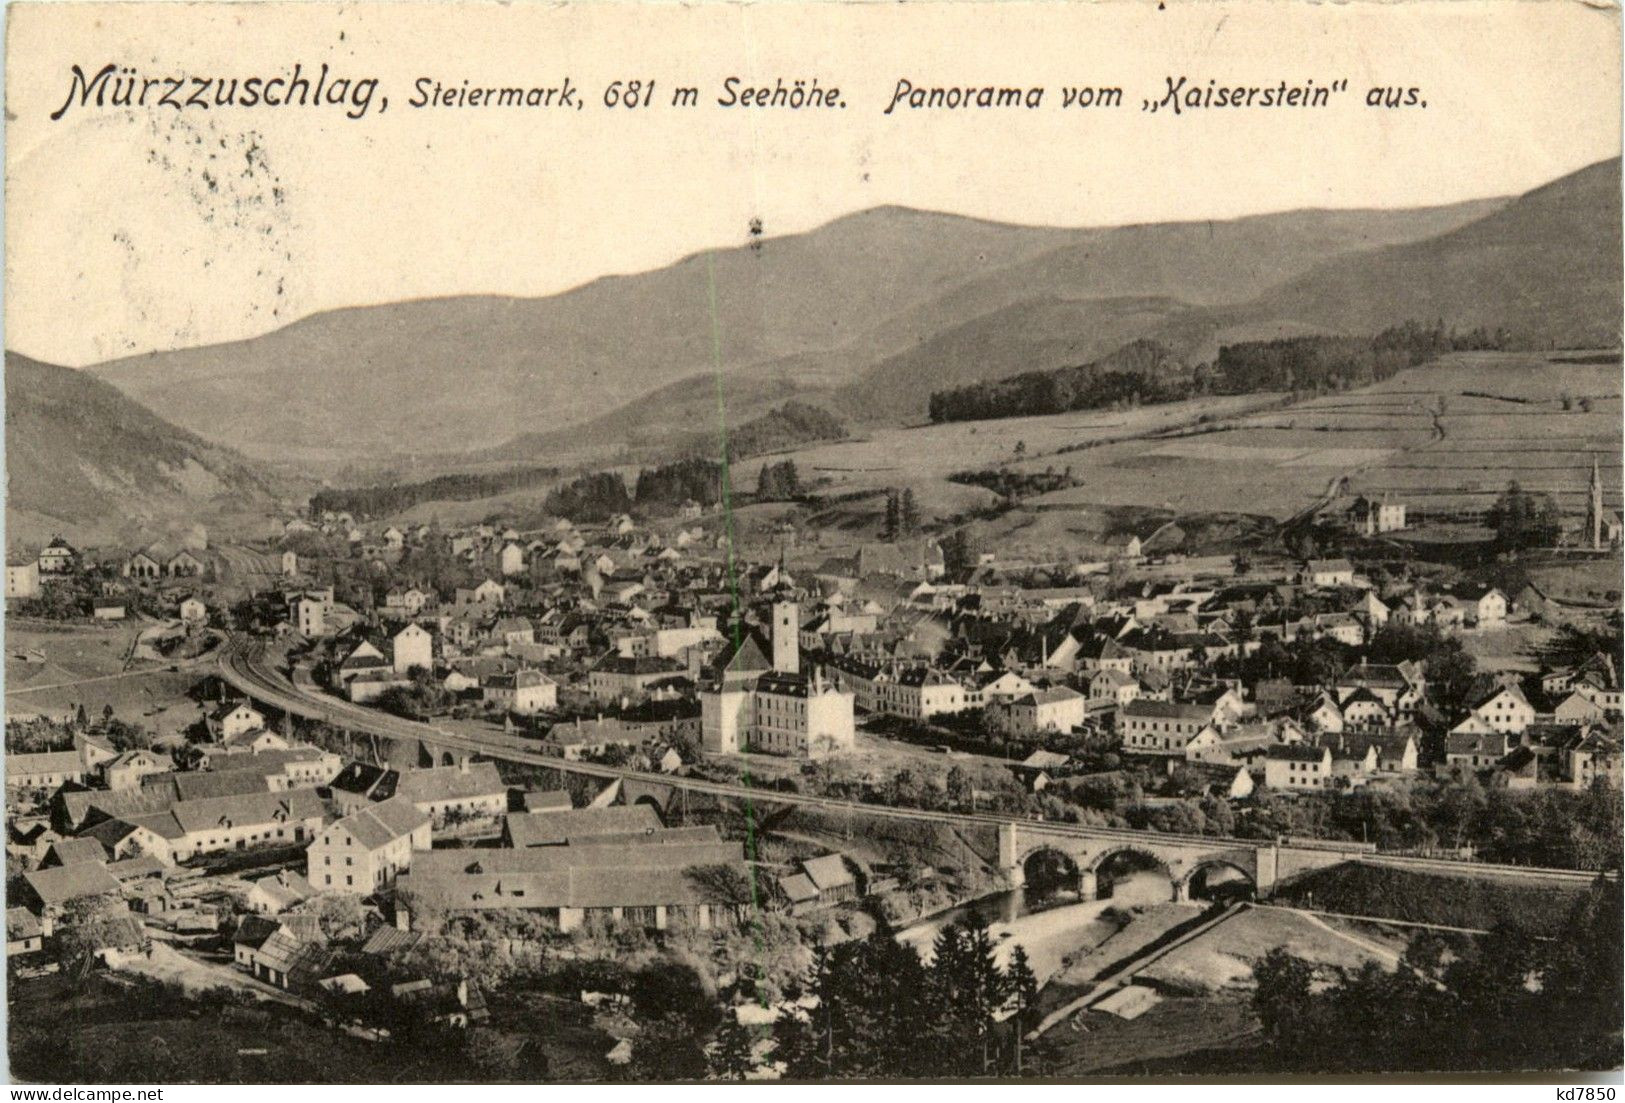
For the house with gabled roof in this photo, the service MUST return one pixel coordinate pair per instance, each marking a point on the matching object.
(277, 893)
(290, 952)
(43, 770)
(1476, 750)
(1298, 766)
(1399, 686)
(1487, 606)
(1505, 709)
(142, 565)
(469, 790)
(525, 829)
(1575, 709)
(24, 935)
(1052, 709)
(832, 877)
(191, 827)
(1363, 709)
(364, 851)
(183, 564)
(616, 677)
(1326, 573)
(1161, 727)
(359, 782)
(523, 692)
(1594, 756)
(1395, 750)
(234, 718)
(45, 892)
(67, 852)
(636, 884)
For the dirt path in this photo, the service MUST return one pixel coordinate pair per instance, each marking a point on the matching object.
(87, 681)
(1380, 952)
(169, 964)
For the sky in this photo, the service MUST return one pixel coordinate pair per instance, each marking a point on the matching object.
(129, 230)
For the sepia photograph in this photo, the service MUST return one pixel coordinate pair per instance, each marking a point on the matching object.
(825, 542)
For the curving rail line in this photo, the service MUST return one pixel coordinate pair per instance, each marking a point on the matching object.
(244, 668)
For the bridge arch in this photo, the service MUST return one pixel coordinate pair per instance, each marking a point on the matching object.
(1113, 865)
(1047, 867)
(649, 800)
(1217, 879)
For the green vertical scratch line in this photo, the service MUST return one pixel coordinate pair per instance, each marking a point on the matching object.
(738, 609)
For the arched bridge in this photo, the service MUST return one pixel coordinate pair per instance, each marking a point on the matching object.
(1183, 857)
(1088, 851)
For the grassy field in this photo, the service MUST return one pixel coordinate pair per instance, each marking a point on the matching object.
(1510, 647)
(1447, 435)
(1587, 581)
(1503, 419)
(95, 1031)
(75, 651)
(85, 665)
(1223, 957)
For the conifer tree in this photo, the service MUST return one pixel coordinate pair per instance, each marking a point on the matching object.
(893, 525)
(730, 1057)
(908, 513)
(1024, 994)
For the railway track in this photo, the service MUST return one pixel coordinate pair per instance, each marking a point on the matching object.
(245, 669)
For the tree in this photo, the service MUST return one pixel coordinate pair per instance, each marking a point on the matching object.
(668, 987)
(908, 513)
(1024, 996)
(959, 554)
(86, 926)
(1282, 995)
(892, 527)
(340, 914)
(778, 481)
(969, 988)
(668, 1049)
(1502, 1001)
(731, 1057)
(1513, 516)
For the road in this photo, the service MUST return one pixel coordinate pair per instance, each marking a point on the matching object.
(245, 668)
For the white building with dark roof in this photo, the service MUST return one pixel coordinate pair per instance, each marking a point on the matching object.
(1161, 727)
(469, 790)
(365, 850)
(191, 827)
(748, 706)
(1298, 766)
(643, 883)
(43, 770)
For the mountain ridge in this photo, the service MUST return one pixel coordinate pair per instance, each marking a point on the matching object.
(823, 308)
(85, 461)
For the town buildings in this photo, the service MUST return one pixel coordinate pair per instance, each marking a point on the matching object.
(366, 849)
(755, 703)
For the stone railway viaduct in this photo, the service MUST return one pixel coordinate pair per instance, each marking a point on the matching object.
(1267, 864)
